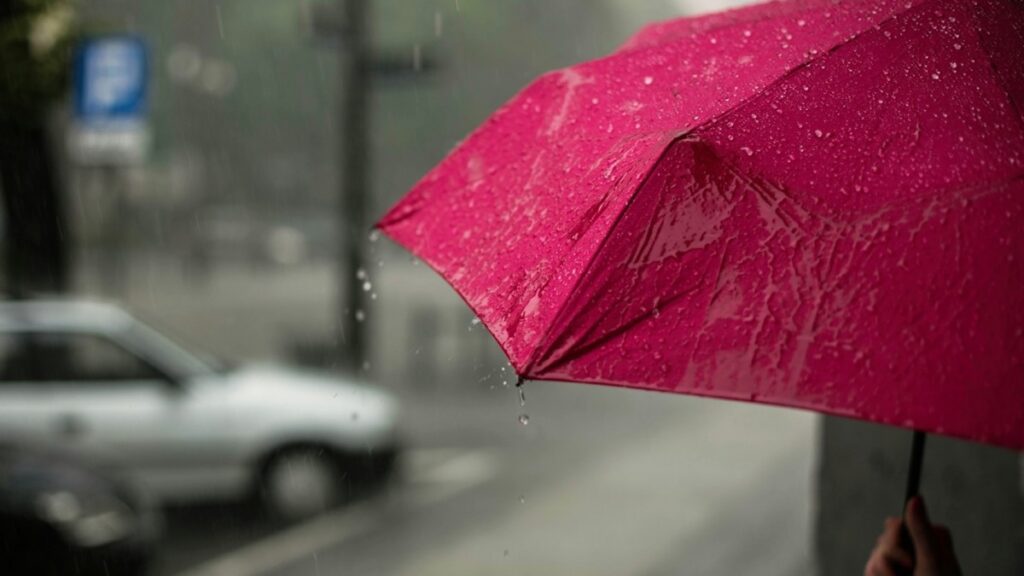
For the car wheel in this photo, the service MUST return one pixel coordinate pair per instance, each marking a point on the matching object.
(299, 483)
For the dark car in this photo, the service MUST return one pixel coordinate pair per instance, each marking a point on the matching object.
(59, 516)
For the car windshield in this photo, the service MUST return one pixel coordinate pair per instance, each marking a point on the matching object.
(185, 360)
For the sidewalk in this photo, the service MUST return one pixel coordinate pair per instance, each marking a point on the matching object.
(725, 492)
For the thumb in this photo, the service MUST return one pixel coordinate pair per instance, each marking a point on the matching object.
(920, 528)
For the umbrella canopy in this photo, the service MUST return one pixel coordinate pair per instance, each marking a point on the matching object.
(809, 204)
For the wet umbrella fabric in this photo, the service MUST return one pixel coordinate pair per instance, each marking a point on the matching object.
(807, 204)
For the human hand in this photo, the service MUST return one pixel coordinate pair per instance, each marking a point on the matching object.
(933, 547)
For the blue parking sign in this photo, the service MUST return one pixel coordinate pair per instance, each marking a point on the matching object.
(110, 79)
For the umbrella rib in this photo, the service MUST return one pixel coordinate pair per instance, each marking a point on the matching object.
(544, 348)
(616, 332)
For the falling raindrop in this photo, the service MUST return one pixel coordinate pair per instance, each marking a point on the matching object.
(417, 57)
(220, 21)
(367, 286)
(524, 419)
(438, 24)
(522, 499)
(374, 235)
(360, 316)
(361, 274)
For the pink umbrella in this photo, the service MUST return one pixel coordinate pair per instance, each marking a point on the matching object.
(807, 204)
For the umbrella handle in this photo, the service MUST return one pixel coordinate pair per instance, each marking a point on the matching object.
(913, 483)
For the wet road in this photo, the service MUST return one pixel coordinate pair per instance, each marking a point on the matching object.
(601, 481)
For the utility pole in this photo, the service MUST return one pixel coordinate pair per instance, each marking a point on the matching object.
(348, 23)
(35, 235)
(355, 61)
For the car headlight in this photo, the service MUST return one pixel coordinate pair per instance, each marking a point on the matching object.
(87, 521)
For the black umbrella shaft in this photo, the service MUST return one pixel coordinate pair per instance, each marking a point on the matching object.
(913, 484)
(914, 474)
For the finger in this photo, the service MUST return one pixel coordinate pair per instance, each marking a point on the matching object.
(878, 567)
(920, 527)
(944, 541)
(889, 544)
(899, 557)
(943, 537)
(890, 535)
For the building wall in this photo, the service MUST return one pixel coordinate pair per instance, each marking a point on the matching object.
(975, 490)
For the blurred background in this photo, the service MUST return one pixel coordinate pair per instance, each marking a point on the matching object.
(211, 366)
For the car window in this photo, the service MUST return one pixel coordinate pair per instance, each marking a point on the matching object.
(60, 357)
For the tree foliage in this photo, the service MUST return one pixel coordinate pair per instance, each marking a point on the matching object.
(36, 42)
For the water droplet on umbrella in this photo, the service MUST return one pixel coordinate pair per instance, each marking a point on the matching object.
(957, 46)
(524, 419)
(747, 151)
(818, 133)
(648, 80)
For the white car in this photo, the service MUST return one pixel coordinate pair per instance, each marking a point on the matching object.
(95, 379)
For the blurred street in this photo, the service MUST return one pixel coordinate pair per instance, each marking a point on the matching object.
(600, 481)
(478, 491)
